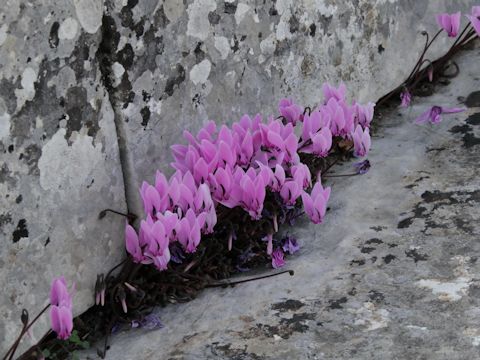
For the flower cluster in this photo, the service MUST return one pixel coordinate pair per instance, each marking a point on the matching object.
(61, 309)
(238, 166)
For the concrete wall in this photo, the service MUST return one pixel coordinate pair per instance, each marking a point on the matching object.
(93, 92)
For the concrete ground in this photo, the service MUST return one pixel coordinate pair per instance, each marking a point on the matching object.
(392, 273)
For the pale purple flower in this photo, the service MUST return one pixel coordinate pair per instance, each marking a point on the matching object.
(315, 204)
(406, 98)
(290, 111)
(434, 114)
(449, 22)
(475, 19)
(149, 322)
(361, 141)
(277, 258)
(362, 167)
(290, 245)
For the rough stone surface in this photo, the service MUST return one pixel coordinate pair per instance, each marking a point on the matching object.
(181, 63)
(59, 159)
(391, 274)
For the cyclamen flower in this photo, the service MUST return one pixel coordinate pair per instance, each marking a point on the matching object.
(290, 192)
(364, 114)
(277, 259)
(132, 244)
(330, 92)
(450, 23)
(475, 18)
(62, 321)
(290, 245)
(321, 143)
(434, 114)
(362, 167)
(406, 98)
(157, 251)
(315, 204)
(314, 122)
(59, 293)
(188, 230)
(290, 111)
(61, 309)
(301, 174)
(361, 141)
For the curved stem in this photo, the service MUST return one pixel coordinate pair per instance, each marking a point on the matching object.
(13, 348)
(291, 272)
(427, 46)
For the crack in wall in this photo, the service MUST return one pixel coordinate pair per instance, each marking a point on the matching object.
(105, 56)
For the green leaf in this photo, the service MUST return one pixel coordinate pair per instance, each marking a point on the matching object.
(74, 338)
(46, 353)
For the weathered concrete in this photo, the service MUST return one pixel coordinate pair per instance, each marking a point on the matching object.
(391, 274)
(175, 64)
(59, 159)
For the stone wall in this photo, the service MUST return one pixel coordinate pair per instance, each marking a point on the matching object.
(93, 93)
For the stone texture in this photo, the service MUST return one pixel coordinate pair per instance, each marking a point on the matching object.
(179, 63)
(392, 273)
(59, 159)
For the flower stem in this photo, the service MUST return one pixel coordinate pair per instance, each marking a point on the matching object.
(225, 284)
(341, 175)
(25, 328)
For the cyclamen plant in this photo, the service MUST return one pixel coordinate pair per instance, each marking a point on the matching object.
(240, 166)
(426, 69)
(232, 190)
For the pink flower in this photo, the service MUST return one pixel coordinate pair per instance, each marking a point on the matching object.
(157, 251)
(290, 111)
(61, 309)
(361, 141)
(434, 114)
(188, 230)
(132, 244)
(59, 293)
(450, 23)
(301, 174)
(475, 18)
(406, 98)
(321, 143)
(364, 114)
(277, 258)
(330, 92)
(62, 321)
(290, 192)
(314, 122)
(315, 204)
